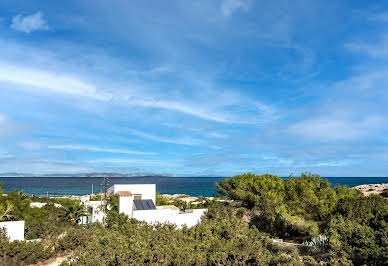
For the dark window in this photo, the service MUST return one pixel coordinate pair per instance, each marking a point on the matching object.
(137, 196)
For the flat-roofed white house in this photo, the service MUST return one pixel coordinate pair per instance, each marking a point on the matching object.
(134, 197)
(139, 201)
(14, 230)
(95, 209)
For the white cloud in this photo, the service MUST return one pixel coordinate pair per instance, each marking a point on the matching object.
(10, 128)
(42, 166)
(377, 50)
(333, 128)
(62, 75)
(228, 7)
(379, 17)
(182, 107)
(370, 83)
(47, 81)
(29, 23)
(181, 141)
(134, 162)
(98, 149)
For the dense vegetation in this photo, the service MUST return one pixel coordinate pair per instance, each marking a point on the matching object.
(330, 226)
(355, 227)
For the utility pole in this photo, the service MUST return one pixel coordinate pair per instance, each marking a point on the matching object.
(105, 186)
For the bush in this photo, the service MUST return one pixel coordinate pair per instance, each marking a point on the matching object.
(20, 252)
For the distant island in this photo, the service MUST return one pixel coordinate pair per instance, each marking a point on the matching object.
(97, 174)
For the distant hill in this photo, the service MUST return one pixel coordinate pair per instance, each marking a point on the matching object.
(11, 174)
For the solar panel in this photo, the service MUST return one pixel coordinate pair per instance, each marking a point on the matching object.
(144, 204)
(151, 205)
(138, 205)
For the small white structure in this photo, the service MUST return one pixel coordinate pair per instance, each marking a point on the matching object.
(129, 194)
(96, 211)
(14, 230)
(139, 201)
(41, 204)
(189, 218)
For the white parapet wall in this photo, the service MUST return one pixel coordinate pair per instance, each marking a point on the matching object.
(126, 205)
(14, 230)
(190, 218)
(147, 191)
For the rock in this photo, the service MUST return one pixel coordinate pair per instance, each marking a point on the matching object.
(371, 189)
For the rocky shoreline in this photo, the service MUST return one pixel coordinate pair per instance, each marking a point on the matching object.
(373, 189)
(182, 197)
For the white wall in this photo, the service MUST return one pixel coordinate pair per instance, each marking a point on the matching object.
(126, 205)
(41, 204)
(148, 191)
(14, 229)
(97, 212)
(170, 216)
(98, 215)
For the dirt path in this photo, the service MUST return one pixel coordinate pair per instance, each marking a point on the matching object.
(53, 262)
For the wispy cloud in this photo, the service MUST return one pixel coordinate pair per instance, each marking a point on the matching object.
(181, 141)
(379, 17)
(135, 162)
(97, 149)
(41, 166)
(44, 81)
(228, 7)
(372, 82)
(29, 23)
(333, 128)
(10, 128)
(377, 49)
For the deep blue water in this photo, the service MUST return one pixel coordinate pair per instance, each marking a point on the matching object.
(194, 186)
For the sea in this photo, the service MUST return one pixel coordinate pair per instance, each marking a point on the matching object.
(195, 186)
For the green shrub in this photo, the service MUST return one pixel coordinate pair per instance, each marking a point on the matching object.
(20, 252)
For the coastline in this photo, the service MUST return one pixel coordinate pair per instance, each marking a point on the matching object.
(373, 189)
(192, 186)
(366, 189)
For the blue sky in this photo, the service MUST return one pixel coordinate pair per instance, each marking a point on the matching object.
(194, 87)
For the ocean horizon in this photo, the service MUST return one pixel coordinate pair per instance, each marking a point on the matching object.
(195, 186)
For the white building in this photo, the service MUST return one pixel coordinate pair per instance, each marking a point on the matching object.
(134, 197)
(42, 204)
(95, 210)
(14, 230)
(139, 201)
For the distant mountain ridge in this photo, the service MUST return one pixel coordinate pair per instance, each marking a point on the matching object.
(12, 174)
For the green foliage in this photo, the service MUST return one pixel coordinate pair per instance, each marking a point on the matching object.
(22, 253)
(3, 235)
(160, 200)
(73, 213)
(7, 210)
(358, 230)
(338, 226)
(200, 203)
(303, 207)
(13, 206)
(96, 197)
(265, 192)
(45, 222)
(222, 239)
